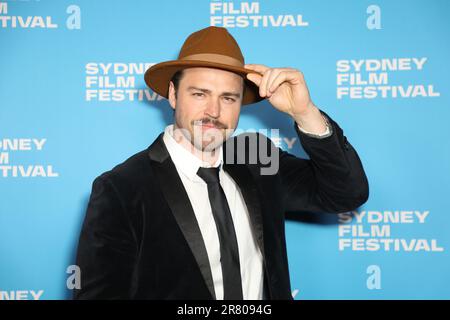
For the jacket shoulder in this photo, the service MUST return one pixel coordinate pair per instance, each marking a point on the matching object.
(130, 173)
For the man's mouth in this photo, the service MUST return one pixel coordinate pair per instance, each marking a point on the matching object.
(207, 125)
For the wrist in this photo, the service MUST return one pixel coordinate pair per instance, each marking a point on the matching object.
(310, 115)
(310, 111)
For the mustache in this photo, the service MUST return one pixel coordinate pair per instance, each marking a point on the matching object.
(207, 121)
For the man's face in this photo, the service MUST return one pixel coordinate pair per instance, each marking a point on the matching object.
(207, 105)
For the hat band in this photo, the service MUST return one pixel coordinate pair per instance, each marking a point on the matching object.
(213, 57)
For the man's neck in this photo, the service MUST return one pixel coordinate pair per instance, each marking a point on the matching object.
(206, 156)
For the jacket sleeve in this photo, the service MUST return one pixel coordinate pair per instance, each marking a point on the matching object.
(107, 247)
(332, 180)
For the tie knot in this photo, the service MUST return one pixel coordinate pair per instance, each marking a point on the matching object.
(209, 175)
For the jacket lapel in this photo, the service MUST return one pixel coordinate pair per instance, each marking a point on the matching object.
(178, 201)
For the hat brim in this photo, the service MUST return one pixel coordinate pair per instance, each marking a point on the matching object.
(158, 76)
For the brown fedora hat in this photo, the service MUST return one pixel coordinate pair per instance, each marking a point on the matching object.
(211, 47)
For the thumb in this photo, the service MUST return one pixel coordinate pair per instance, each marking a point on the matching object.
(255, 78)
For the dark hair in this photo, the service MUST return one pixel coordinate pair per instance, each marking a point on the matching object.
(176, 78)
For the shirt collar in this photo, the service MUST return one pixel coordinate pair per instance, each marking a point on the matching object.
(184, 160)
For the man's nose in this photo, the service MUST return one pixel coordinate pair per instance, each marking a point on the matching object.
(213, 108)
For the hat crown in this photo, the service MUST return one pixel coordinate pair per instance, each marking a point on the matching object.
(213, 41)
(210, 47)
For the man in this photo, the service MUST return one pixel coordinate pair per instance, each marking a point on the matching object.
(193, 216)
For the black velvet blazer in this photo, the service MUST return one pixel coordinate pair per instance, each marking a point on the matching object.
(140, 238)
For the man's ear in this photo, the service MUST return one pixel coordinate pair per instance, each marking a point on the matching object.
(171, 97)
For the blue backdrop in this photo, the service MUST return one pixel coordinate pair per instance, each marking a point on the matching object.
(73, 103)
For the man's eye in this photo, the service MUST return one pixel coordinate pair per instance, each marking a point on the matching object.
(198, 94)
(229, 99)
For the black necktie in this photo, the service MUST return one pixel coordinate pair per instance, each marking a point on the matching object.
(229, 253)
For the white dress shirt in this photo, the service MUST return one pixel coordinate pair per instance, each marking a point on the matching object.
(250, 257)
